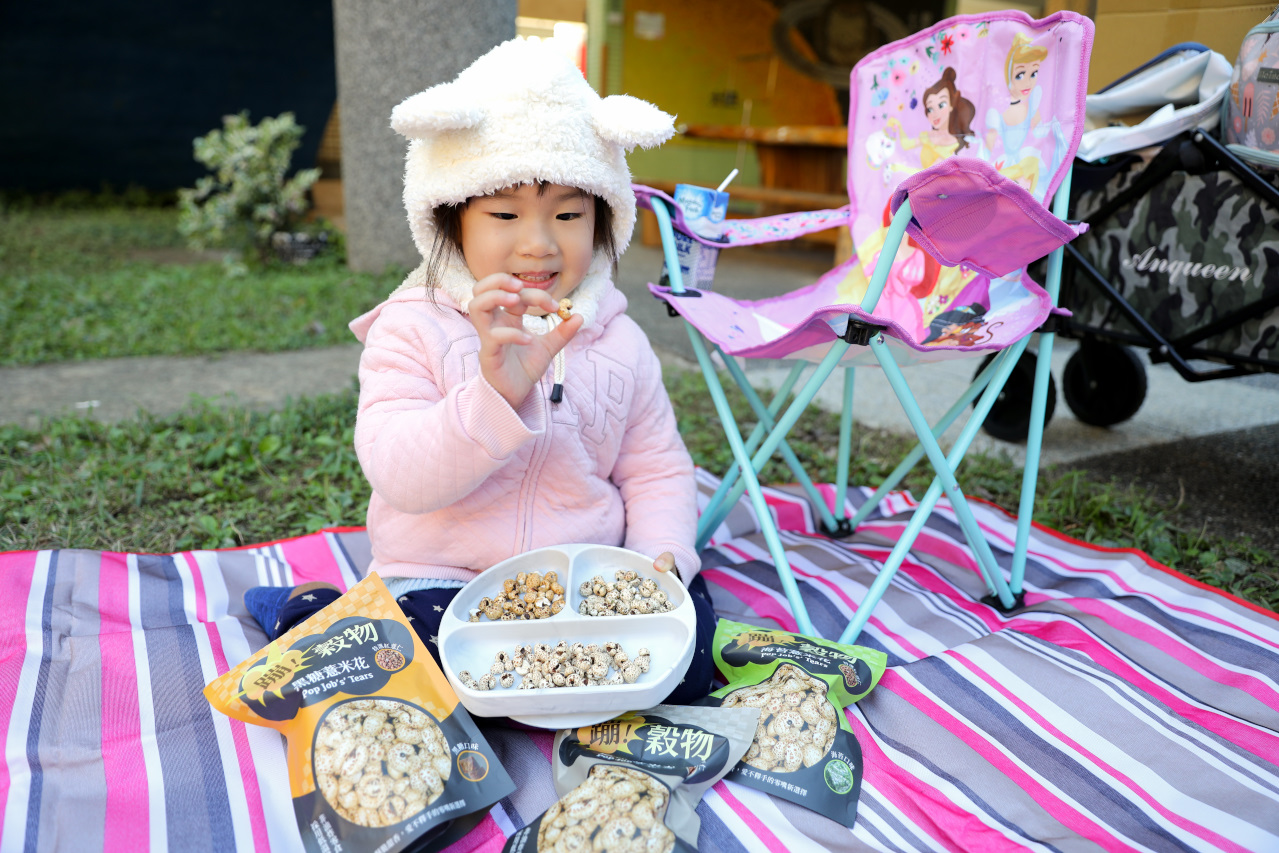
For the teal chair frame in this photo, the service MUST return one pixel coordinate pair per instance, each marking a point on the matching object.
(769, 436)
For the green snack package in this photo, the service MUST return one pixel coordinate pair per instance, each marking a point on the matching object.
(634, 782)
(804, 750)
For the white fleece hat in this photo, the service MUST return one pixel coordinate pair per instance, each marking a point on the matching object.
(521, 113)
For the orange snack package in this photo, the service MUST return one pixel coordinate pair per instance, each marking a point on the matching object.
(381, 754)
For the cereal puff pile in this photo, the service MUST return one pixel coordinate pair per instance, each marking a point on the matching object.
(621, 807)
(377, 761)
(796, 724)
(529, 595)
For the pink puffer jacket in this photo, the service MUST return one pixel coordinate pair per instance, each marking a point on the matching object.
(462, 481)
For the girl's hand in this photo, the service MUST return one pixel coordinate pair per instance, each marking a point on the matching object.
(511, 359)
(665, 562)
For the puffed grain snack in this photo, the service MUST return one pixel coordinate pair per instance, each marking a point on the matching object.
(564, 665)
(616, 808)
(625, 595)
(804, 749)
(528, 595)
(378, 761)
(797, 721)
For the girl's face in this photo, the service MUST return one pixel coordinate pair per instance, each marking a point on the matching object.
(937, 108)
(1025, 76)
(545, 238)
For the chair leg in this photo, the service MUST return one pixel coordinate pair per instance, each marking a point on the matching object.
(750, 483)
(717, 509)
(1038, 403)
(1030, 473)
(912, 459)
(766, 418)
(791, 415)
(842, 526)
(945, 466)
(889, 568)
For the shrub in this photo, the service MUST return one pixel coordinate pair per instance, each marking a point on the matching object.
(247, 199)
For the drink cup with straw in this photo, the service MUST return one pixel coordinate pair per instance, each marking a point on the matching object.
(704, 213)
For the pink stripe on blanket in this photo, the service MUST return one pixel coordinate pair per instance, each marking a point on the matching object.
(930, 543)
(761, 832)
(1262, 744)
(312, 560)
(1069, 743)
(197, 584)
(1117, 617)
(486, 837)
(1120, 581)
(791, 512)
(128, 820)
(243, 752)
(16, 570)
(760, 602)
(929, 810)
(1052, 804)
(544, 741)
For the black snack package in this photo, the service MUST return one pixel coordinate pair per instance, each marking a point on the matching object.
(634, 782)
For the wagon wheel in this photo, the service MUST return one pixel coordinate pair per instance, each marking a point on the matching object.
(1104, 383)
(1009, 418)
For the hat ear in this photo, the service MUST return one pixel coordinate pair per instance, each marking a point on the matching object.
(437, 109)
(628, 122)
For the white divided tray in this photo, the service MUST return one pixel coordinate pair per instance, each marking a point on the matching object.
(668, 636)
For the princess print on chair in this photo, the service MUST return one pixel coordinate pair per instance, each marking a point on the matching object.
(1014, 124)
(950, 117)
(1019, 125)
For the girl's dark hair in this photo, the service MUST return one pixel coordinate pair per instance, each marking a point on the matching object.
(448, 234)
(962, 110)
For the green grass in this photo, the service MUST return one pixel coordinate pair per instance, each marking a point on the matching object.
(84, 283)
(220, 477)
(207, 478)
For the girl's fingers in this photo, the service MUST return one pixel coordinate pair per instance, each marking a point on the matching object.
(664, 562)
(495, 309)
(491, 300)
(509, 335)
(564, 332)
(535, 298)
(498, 281)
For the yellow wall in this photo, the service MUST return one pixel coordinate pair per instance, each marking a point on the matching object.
(1129, 32)
(711, 46)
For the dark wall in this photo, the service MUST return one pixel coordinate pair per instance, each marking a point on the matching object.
(114, 91)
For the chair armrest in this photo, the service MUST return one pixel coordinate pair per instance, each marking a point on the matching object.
(749, 232)
(964, 213)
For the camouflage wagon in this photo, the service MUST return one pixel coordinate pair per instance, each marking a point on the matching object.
(1189, 245)
(1194, 251)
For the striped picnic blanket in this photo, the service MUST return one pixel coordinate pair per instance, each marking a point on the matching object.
(1125, 708)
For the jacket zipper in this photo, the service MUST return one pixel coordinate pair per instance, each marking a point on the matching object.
(528, 492)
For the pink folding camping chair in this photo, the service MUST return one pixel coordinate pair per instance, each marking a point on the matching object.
(958, 136)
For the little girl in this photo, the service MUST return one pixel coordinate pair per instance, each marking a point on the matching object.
(489, 426)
